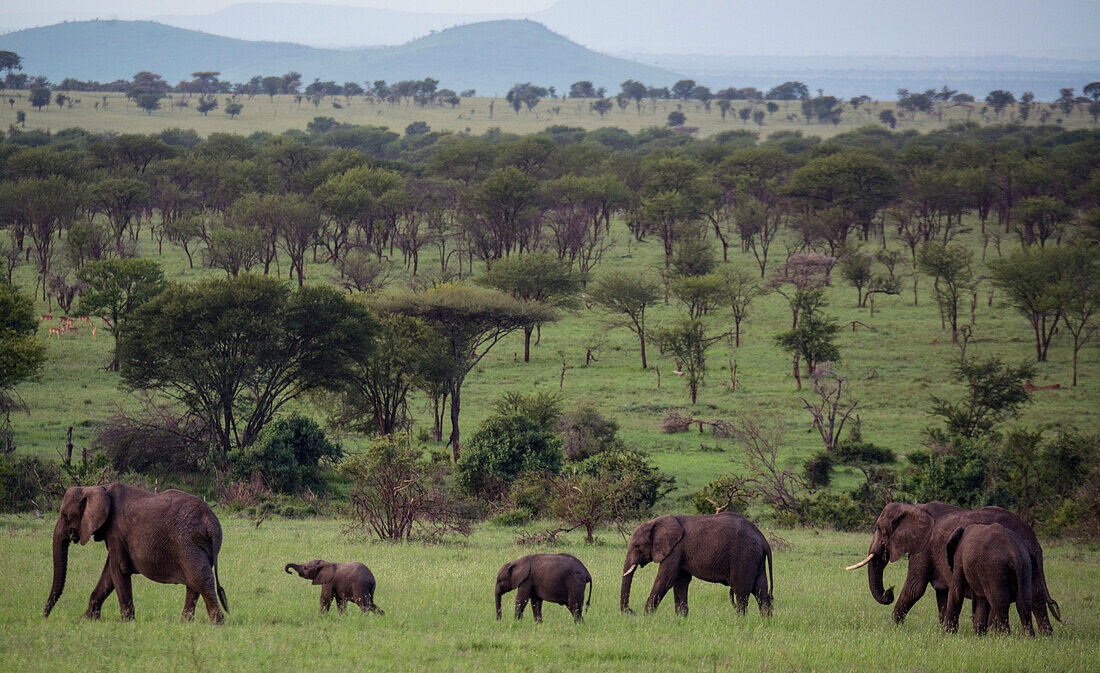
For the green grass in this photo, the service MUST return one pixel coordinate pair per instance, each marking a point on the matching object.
(439, 613)
(472, 115)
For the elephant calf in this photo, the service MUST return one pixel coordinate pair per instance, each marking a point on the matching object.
(557, 578)
(342, 581)
(992, 564)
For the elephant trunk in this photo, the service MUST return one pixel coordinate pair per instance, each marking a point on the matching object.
(624, 593)
(497, 595)
(875, 570)
(297, 568)
(60, 564)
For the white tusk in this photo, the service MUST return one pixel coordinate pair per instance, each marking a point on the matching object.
(632, 569)
(861, 563)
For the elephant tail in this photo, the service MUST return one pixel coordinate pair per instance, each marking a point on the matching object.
(771, 573)
(205, 542)
(588, 603)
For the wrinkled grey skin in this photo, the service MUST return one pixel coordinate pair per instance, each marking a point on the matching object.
(922, 532)
(170, 537)
(555, 578)
(343, 582)
(991, 564)
(723, 548)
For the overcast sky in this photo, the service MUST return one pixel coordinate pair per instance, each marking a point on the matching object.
(1002, 28)
(135, 8)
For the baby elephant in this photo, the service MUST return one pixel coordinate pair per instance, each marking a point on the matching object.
(993, 564)
(342, 581)
(557, 578)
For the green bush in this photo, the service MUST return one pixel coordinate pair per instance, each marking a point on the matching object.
(638, 480)
(500, 450)
(26, 483)
(585, 432)
(726, 492)
(287, 456)
(953, 470)
(819, 469)
(837, 511)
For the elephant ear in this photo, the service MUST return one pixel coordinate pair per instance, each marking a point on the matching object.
(910, 532)
(518, 571)
(97, 506)
(326, 574)
(952, 545)
(667, 533)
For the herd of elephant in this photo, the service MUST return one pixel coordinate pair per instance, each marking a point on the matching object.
(989, 555)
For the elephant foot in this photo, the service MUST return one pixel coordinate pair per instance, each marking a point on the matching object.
(92, 615)
(187, 617)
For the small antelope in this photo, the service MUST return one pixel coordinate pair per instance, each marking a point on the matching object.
(45, 316)
(56, 330)
(93, 330)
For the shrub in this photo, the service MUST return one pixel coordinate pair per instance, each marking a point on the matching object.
(500, 450)
(819, 470)
(838, 511)
(158, 440)
(675, 422)
(398, 490)
(727, 494)
(640, 483)
(287, 456)
(28, 483)
(544, 408)
(585, 432)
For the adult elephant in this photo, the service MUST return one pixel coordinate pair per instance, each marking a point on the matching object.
(723, 548)
(170, 537)
(922, 531)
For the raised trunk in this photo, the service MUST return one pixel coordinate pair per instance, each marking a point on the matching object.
(875, 570)
(60, 564)
(297, 568)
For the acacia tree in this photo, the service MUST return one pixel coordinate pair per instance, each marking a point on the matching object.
(687, 340)
(21, 355)
(534, 276)
(41, 207)
(628, 294)
(741, 288)
(236, 351)
(1033, 280)
(1081, 289)
(949, 266)
(470, 321)
(374, 393)
(115, 288)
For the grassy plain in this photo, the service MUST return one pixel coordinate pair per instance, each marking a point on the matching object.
(439, 613)
(282, 113)
(894, 368)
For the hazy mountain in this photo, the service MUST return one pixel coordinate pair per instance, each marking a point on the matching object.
(1054, 28)
(489, 57)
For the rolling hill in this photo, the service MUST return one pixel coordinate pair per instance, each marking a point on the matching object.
(489, 56)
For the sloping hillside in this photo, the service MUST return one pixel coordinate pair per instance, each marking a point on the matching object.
(489, 56)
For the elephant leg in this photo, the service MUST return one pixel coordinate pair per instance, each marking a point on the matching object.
(102, 591)
(666, 577)
(680, 593)
(326, 597)
(208, 591)
(1024, 608)
(740, 602)
(941, 603)
(1039, 605)
(523, 594)
(981, 616)
(125, 593)
(536, 609)
(1000, 617)
(575, 602)
(910, 594)
(340, 604)
(763, 598)
(189, 601)
(954, 603)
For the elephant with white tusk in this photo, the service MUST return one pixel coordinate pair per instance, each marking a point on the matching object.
(723, 548)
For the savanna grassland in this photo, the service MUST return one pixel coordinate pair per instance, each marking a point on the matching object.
(282, 112)
(438, 597)
(439, 613)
